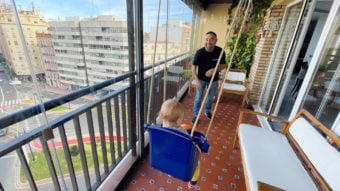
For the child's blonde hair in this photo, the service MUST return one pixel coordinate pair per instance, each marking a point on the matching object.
(171, 111)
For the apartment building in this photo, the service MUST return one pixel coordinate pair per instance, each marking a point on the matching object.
(50, 66)
(178, 33)
(68, 51)
(159, 51)
(11, 43)
(105, 45)
(89, 51)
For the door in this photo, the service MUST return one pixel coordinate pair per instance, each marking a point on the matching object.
(300, 32)
(320, 94)
(279, 65)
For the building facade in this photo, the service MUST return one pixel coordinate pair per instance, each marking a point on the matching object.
(89, 51)
(176, 32)
(48, 59)
(11, 42)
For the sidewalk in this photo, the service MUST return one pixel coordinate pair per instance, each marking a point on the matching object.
(63, 92)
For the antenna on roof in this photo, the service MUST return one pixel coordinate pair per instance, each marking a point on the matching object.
(33, 6)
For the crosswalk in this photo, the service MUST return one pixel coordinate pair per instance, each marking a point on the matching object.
(10, 103)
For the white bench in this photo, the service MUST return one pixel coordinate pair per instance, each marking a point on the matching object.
(302, 157)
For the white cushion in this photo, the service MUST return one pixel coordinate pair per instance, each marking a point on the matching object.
(236, 76)
(268, 157)
(236, 87)
(172, 78)
(175, 69)
(324, 157)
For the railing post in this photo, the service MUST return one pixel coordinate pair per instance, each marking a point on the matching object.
(132, 95)
(140, 70)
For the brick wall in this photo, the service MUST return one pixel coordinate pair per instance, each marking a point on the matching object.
(266, 41)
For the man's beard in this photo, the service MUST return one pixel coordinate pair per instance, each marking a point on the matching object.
(209, 48)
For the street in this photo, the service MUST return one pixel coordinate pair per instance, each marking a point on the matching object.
(17, 97)
(7, 165)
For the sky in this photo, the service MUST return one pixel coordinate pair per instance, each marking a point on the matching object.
(59, 9)
(54, 9)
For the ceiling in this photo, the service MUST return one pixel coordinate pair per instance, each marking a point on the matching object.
(205, 3)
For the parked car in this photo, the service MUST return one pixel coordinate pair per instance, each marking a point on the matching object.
(3, 131)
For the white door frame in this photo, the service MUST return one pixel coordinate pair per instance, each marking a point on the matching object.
(289, 71)
(332, 17)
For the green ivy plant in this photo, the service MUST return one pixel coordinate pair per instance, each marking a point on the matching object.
(246, 46)
(244, 52)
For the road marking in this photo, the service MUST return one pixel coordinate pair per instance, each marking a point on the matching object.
(8, 156)
(2, 95)
(38, 121)
(10, 103)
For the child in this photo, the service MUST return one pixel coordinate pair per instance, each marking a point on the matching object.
(171, 115)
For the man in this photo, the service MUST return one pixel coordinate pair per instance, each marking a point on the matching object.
(203, 67)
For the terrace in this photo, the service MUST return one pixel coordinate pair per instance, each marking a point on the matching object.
(98, 142)
(106, 125)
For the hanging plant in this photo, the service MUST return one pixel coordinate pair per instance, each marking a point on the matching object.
(244, 52)
(246, 46)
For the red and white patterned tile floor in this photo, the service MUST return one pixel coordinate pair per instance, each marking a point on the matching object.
(221, 168)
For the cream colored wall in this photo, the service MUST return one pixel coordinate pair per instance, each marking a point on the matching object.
(213, 19)
(281, 2)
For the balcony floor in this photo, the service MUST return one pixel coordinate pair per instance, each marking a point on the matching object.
(221, 168)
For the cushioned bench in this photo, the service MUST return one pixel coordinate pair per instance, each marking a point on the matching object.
(303, 156)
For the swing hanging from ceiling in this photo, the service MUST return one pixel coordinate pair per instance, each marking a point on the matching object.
(174, 152)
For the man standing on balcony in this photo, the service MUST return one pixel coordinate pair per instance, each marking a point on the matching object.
(203, 67)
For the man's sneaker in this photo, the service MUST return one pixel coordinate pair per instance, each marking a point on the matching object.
(208, 114)
(193, 120)
(192, 187)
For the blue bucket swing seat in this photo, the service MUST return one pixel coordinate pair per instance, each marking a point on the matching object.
(174, 152)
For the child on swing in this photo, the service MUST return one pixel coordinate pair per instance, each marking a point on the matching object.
(171, 116)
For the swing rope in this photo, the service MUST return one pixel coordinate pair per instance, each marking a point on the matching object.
(153, 65)
(166, 52)
(242, 3)
(225, 75)
(160, 152)
(226, 71)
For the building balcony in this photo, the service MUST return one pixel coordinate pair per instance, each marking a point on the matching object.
(90, 140)
(107, 137)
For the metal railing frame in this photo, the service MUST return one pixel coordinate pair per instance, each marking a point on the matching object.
(117, 100)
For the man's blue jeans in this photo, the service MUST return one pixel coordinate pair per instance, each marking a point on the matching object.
(199, 96)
